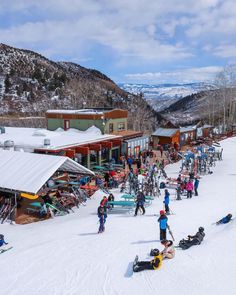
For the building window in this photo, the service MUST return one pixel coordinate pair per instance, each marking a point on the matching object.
(111, 129)
(66, 124)
(121, 126)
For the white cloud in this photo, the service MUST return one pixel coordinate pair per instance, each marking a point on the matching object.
(179, 76)
(225, 50)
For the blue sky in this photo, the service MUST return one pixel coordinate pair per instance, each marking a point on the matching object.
(134, 41)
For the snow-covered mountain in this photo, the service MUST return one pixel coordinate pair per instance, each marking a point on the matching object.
(161, 96)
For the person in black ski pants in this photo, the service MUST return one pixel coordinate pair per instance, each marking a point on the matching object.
(153, 264)
(193, 240)
(140, 203)
(163, 225)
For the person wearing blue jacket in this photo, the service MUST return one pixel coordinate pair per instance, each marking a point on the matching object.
(163, 225)
(2, 241)
(167, 201)
(225, 219)
(196, 185)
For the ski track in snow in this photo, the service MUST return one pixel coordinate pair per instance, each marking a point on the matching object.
(66, 256)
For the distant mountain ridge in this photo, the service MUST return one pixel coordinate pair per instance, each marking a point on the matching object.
(161, 96)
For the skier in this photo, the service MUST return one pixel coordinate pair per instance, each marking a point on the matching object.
(225, 219)
(169, 250)
(2, 241)
(163, 225)
(196, 184)
(140, 203)
(189, 188)
(193, 240)
(102, 218)
(153, 264)
(178, 192)
(167, 201)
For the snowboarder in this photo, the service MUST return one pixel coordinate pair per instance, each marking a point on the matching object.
(225, 219)
(153, 264)
(140, 203)
(167, 201)
(189, 188)
(102, 218)
(169, 250)
(193, 240)
(2, 241)
(196, 184)
(163, 225)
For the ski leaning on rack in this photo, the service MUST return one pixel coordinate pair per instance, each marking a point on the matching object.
(5, 250)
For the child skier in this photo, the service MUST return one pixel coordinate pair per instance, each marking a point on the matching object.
(169, 250)
(167, 201)
(140, 203)
(153, 264)
(193, 240)
(189, 188)
(163, 225)
(2, 241)
(225, 219)
(102, 218)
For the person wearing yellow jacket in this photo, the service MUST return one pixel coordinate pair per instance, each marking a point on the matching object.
(153, 264)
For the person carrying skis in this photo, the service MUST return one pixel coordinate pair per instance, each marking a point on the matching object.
(193, 240)
(189, 189)
(140, 200)
(153, 264)
(196, 185)
(167, 201)
(169, 250)
(2, 241)
(225, 219)
(163, 225)
(102, 218)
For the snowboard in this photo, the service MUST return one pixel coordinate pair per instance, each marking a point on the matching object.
(4, 250)
(135, 261)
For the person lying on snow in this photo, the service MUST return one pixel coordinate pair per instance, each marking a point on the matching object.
(169, 250)
(225, 219)
(153, 264)
(2, 241)
(193, 240)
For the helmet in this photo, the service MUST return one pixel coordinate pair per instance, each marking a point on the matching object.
(162, 212)
(229, 215)
(154, 252)
(201, 229)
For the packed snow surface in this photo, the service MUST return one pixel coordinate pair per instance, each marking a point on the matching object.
(65, 255)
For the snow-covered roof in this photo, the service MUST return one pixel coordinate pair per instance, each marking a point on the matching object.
(28, 172)
(33, 138)
(80, 111)
(166, 132)
(187, 129)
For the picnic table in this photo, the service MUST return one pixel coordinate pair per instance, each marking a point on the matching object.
(132, 197)
(124, 205)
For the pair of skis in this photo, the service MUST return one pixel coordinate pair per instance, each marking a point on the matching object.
(5, 250)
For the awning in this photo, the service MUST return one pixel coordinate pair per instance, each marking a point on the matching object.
(28, 172)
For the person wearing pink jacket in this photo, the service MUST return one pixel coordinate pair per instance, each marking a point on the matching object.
(189, 188)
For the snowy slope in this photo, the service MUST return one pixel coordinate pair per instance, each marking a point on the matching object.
(66, 256)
